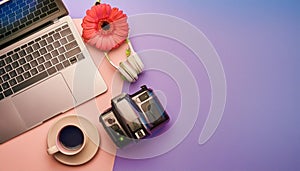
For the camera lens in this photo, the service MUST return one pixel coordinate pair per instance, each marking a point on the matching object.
(144, 97)
(111, 120)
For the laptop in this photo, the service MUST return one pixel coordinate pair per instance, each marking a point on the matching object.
(45, 68)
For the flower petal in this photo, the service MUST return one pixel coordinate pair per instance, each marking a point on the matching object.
(93, 40)
(87, 34)
(92, 13)
(99, 43)
(89, 25)
(105, 39)
(116, 14)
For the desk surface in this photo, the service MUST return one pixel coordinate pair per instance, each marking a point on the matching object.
(258, 45)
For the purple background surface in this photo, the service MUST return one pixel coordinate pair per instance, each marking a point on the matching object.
(258, 44)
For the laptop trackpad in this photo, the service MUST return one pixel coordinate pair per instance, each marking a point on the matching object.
(44, 100)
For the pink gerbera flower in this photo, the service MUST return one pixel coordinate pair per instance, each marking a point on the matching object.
(105, 27)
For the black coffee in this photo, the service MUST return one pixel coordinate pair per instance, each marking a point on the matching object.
(71, 137)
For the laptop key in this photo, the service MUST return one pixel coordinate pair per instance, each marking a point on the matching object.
(44, 36)
(15, 64)
(29, 58)
(43, 43)
(38, 12)
(2, 63)
(30, 16)
(20, 70)
(20, 78)
(64, 26)
(52, 11)
(73, 60)
(2, 56)
(29, 50)
(56, 36)
(37, 39)
(14, 30)
(10, 53)
(36, 46)
(1, 96)
(30, 81)
(22, 53)
(30, 43)
(66, 63)
(22, 61)
(61, 50)
(59, 67)
(36, 19)
(41, 68)
(34, 63)
(15, 56)
(48, 56)
(50, 33)
(44, 9)
(54, 53)
(17, 49)
(8, 68)
(7, 92)
(6, 77)
(57, 30)
(52, 5)
(49, 40)
(5, 85)
(43, 51)
(13, 74)
(12, 82)
(33, 71)
(2, 71)
(63, 41)
(26, 75)
(71, 45)
(40, 5)
(70, 38)
(56, 44)
(36, 54)
(54, 61)
(8, 60)
(43, 15)
(46, 2)
(61, 58)
(24, 46)
(21, 26)
(47, 64)
(27, 67)
(73, 52)
(80, 56)
(50, 48)
(65, 32)
(51, 70)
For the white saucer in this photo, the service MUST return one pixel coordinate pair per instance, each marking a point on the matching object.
(92, 143)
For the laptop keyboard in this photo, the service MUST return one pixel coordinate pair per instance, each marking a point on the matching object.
(15, 17)
(38, 59)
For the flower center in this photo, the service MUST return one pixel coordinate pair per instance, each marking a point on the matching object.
(105, 25)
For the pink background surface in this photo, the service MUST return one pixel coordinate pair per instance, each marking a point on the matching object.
(28, 151)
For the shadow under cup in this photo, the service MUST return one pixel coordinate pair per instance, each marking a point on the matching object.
(70, 141)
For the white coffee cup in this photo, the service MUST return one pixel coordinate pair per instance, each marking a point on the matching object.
(70, 140)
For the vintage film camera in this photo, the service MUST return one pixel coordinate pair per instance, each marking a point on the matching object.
(133, 117)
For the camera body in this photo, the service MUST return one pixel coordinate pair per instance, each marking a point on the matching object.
(133, 117)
